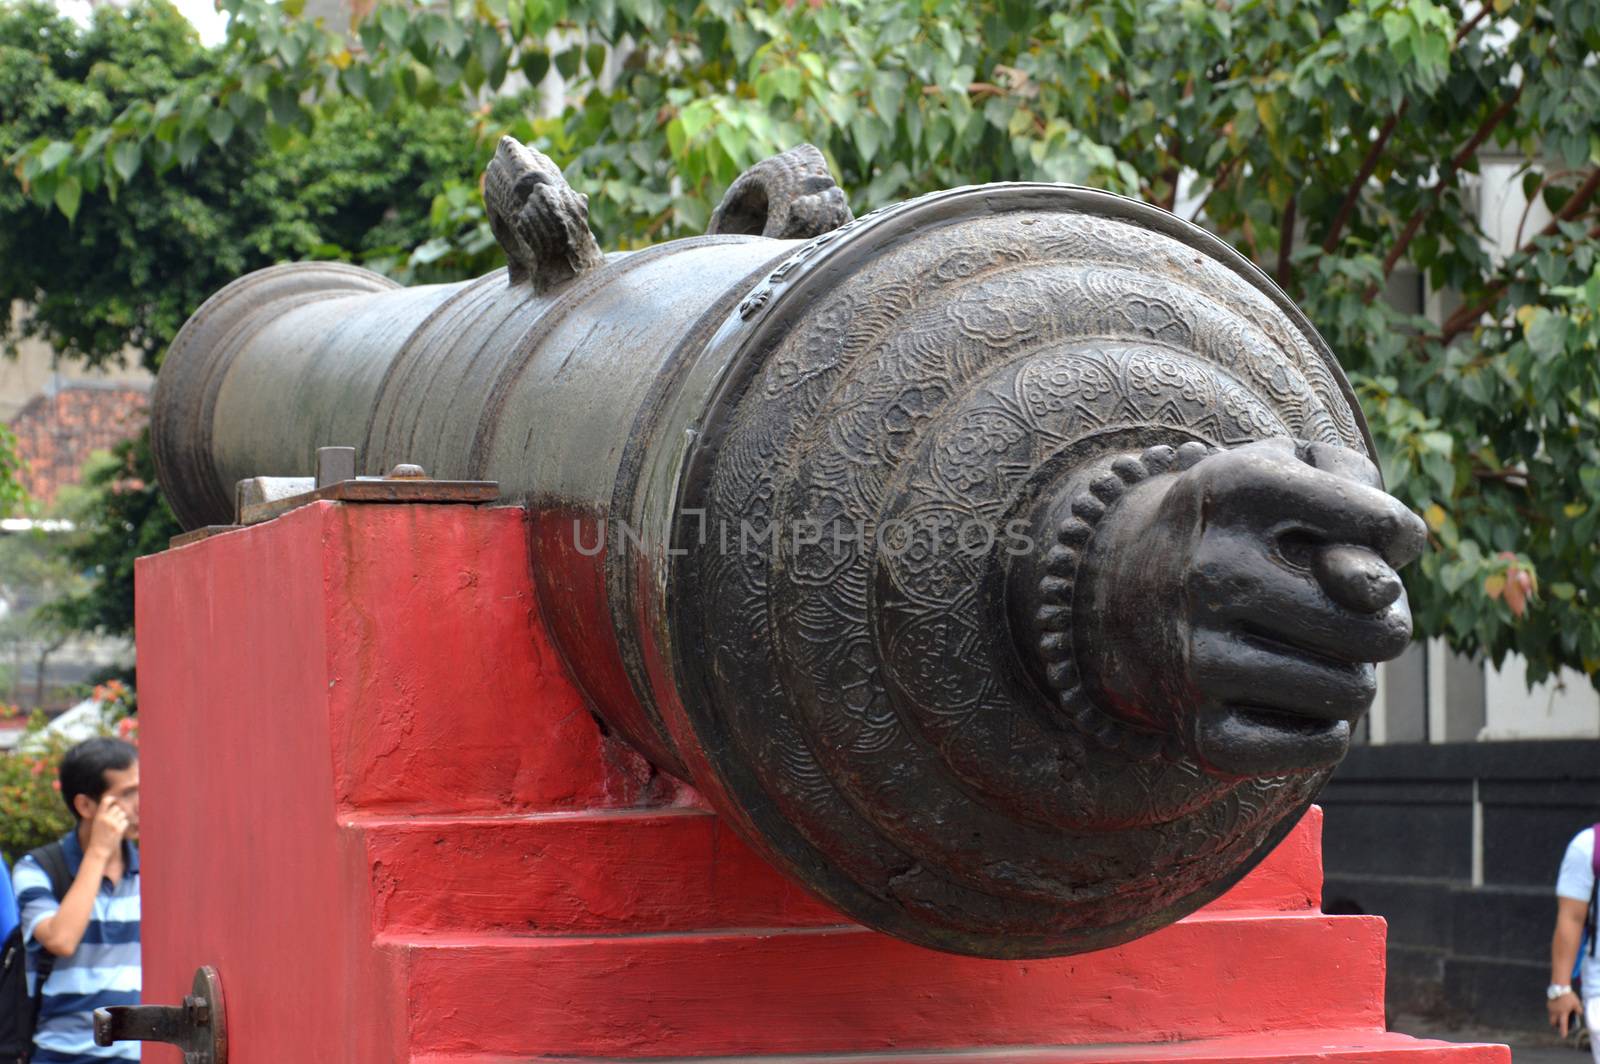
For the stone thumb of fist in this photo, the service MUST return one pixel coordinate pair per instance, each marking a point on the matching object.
(1242, 598)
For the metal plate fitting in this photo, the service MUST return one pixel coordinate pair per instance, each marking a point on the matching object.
(198, 1027)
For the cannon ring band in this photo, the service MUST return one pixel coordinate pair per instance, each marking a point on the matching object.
(1089, 494)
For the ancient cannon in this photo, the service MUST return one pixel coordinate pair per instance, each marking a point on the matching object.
(1007, 565)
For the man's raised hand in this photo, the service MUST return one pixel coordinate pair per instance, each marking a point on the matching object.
(109, 826)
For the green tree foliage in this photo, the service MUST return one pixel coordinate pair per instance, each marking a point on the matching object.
(104, 263)
(103, 270)
(33, 575)
(120, 515)
(1336, 143)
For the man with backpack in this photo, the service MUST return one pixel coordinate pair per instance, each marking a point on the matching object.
(78, 901)
(1575, 933)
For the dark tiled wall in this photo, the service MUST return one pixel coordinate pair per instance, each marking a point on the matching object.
(1398, 843)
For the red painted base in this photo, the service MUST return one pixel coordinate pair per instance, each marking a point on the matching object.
(375, 802)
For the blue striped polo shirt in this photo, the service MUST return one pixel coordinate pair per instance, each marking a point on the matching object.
(103, 971)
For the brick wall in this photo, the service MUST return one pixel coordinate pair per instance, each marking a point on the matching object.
(60, 427)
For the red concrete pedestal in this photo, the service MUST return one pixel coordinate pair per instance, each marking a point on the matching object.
(376, 803)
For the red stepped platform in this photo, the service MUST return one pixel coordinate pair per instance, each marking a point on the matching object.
(376, 803)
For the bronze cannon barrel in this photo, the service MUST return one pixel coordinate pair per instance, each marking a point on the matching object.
(1007, 565)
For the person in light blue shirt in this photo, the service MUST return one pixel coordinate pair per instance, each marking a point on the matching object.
(93, 931)
(1575, 885)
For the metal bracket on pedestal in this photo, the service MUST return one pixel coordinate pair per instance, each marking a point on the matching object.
(198, 1027)
(258, 499)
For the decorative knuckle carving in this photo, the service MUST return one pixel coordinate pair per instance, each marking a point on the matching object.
(791, 196)
(539, 221)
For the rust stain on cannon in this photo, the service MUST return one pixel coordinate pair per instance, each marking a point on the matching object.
(1006, 565)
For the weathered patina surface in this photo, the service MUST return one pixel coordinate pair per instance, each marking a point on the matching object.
(1007, 564)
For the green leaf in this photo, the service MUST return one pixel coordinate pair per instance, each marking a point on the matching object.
(58, 152)
(745, 41)
(430, 252)
(285, 105)
(474, 74)
(219, 126)
(371, 34)
(888, 94)
(914, 125)
(840, 108)
(535, 64)
(381, 93)
(1442, 472)
(451, 38)
(868, 133)
(355, 80)
(696, 117)
(67, 197)
(393, 21)
(446, 72)
(94, 144)
(125, 159)
(539, 17)
(280, 136)
(1547, 334)
(734, 141)
(1439, 442)
(783, 83)
(487, 45)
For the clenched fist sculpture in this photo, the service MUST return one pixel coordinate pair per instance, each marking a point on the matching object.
(1240, 597)
(1007, 565)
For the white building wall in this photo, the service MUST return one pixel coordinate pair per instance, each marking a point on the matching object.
(1566, 707)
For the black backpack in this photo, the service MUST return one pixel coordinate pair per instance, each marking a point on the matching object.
(19, 1009)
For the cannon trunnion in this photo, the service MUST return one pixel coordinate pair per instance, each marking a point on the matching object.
(1004, 564)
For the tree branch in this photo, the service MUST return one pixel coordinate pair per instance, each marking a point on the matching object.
(1527, 208)
(1286, 242)
(1250, 238)
(1368, 165)
(1466, 317)
(1486, 127)
(1515, 477)
(1576, 202)
(1223, 175)
(1472, 23)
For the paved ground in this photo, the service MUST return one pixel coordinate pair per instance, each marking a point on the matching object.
(1522, 1054)
(1526, 1047)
